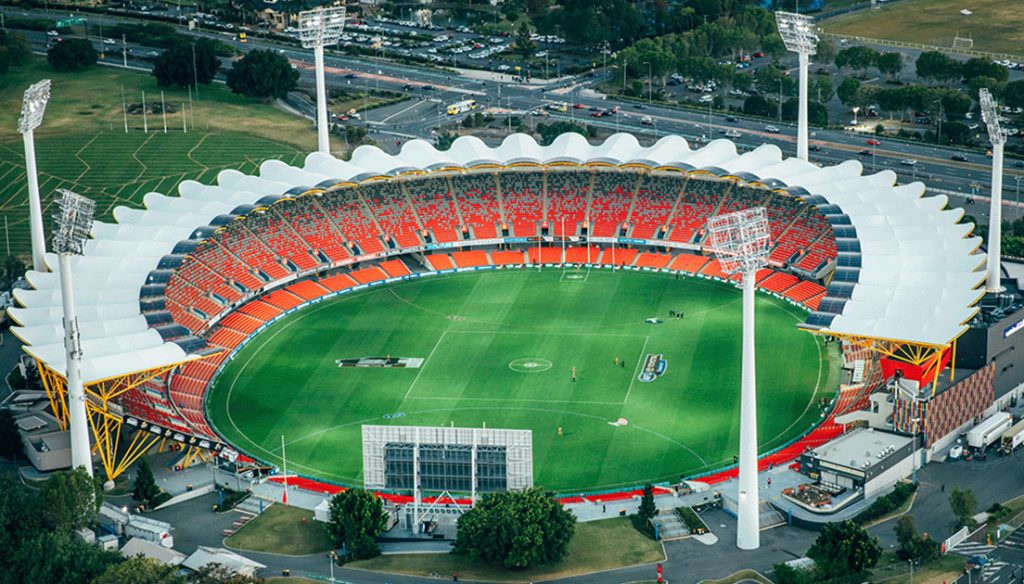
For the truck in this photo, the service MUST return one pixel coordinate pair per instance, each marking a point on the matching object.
(989, 430)
(1012, 438)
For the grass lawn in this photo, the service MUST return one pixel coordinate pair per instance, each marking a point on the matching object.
(82, 145)
(741, 576)
(597, 546)
(280, 530)
(498, 349)
(995, 25)
(892, 570)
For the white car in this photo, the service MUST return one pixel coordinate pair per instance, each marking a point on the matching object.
(771, 129)
(708, 98)
(732, 134)
(109, 42)
(956, 452)
(503, 67)
(908, 162)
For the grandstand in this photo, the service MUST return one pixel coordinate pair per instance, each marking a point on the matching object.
(203, 273)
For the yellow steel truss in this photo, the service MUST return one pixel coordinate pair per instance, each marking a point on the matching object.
(104, 424)
(923, 355)
(194, 454)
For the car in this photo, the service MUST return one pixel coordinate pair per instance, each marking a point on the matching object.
(731, 119)
(814, 148)
(408, 87)
(341, 118)
(956, 452)
(708, 98)
(595, 114)
(578, 106)
(771, 129)
(427, 88)
(958, 158)
(758, 55)
(647, 121)
(639, 106)
(109, 42)
(1019, 164)
(873, 142)
(351, 76)
(503, 67)
(731, 133)
(865, 152)
(908, 162)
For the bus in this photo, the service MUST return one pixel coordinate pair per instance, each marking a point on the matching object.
(461, 107)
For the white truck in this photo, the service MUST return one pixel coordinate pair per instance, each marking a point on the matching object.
(989, 430)
(1012, 438)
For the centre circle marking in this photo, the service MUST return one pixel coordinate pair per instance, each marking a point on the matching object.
(530, 365)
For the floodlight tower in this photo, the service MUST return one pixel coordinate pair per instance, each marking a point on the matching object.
(317, 29)
(32, 109)
(997, 136)
(73, 221)
(797, 32)
(740, 241)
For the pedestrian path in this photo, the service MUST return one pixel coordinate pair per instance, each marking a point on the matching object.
(970, 548)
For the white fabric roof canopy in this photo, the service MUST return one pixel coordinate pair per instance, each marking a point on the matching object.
(917, 282)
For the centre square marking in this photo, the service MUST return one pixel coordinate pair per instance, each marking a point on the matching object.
(467, 365)
(530, 365)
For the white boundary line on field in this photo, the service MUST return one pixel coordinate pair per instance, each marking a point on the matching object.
(424, 365)
(636, 369)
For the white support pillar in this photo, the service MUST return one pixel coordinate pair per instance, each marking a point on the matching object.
(79, 422)
(993, 281)
(801, 128)
(748, 534)
(35, 207)
(322, 127)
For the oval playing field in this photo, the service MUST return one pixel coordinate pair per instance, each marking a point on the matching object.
(499, 347)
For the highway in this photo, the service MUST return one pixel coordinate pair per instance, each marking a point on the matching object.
(431, 89)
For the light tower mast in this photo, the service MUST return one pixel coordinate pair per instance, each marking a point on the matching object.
(997, 136)
(741, 241)
(317, 29)
(73, 221)
(32, 109)
(797, 32)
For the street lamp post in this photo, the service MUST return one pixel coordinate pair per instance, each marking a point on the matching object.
(997, 136)
(73, 222)
(318, 28)
(741, 241)
(650, 81)
(797, 32)
(32, 109)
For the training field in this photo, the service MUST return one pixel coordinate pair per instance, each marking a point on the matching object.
(995, 25)
(82, 144)
(498, 349)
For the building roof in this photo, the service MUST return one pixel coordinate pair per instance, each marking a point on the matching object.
(913, 272)
(227, 558)
(141, 547)
(861, 449)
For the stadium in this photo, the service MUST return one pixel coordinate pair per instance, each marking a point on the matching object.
(565, 290)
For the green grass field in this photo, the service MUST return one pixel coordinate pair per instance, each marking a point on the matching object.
(283, 530)
(478, 331)
(82, 145)
(995, 25)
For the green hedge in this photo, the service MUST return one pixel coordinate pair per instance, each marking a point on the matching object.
(887, 503)
(692, 521)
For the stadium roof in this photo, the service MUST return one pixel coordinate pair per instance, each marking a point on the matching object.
(908, 271)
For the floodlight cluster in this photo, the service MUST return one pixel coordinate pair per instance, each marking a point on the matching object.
(797, 32)
(73, 221)
(740, 240)
(34, 106)
(322, 26)
(990, 115)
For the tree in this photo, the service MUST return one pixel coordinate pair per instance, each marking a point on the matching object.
(516, 529)
(145, 490)
(72, 55)
(176, 66)
(844, 550)
(263, 74)
(14, 50)
(962, 502)
(919, 548)
(357, 518)
(140, 570)
(11, 445)
(820, 89)
(215, 573)
(826, 52)
(857, 58)
(1013, 93)
(891, 64)
(524, 44)
(73, 498)
(786, 574)
(548, 132)
(444, 141)
(57, 556)
(759, 105)
(937, 66)
(817, 114)
(848, 91)
(980, 67)
(647, 509)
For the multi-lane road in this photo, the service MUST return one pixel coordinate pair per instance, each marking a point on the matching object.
(431, 89)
